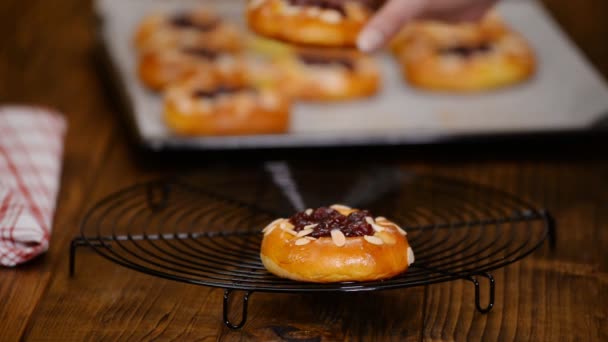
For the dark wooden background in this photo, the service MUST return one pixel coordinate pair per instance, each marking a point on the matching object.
(47, 58)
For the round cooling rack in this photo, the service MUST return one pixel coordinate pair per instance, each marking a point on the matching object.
(204, 229)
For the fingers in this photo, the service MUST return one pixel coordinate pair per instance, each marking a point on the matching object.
(458, 10)
(385, 24)
(395, 13)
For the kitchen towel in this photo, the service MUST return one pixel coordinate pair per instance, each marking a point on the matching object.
(31, 149)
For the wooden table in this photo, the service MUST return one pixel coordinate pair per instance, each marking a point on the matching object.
(46, 57)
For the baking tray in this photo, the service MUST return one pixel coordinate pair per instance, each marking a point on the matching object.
(567, 94)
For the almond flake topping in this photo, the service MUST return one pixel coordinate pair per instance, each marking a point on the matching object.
(313, 11)
(256, 3)
(340, 207)
(331, 16)
(304, 232)
(271, 225)
(308, 212)
(291, 10)
(291, 231)
(374, 240)
(310, 226)
(302, 242)
(286, 225)
(270, 230)
(373, 224)
(401, 231)
(378, 228)
(338, 237)
(410, 256)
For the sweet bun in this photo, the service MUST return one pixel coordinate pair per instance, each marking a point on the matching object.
(208, 105)
(328, 75)
(345, 245)
(310, 22)
(463, 57)
(315, 74)
(195, 28)
(159, 68)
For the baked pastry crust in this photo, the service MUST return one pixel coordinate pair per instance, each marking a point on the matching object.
(464, 57)
(206, 105)
(195, 28)
(157, 69)
(360, 258)
(326, 75)
(315, 74)
(309, 24)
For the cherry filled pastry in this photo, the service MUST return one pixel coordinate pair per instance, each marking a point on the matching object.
(335, 244)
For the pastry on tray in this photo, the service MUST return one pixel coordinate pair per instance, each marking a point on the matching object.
(319, 75)
(206, 104)
(314, 74)
(195, 28)
(159, 68)
(310, 22)
(463, 57)
(335, 244)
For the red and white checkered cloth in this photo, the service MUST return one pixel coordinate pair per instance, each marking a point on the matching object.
(31, 149)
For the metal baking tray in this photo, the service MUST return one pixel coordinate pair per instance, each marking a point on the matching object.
(567, 94)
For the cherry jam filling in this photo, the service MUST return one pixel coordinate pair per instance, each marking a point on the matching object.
(201, 53)
(466, 51)
(312, 59)
(328, 219)
(221, 90)
(335, 5)
(185, 21)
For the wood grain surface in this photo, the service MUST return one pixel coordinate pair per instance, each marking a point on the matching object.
(47, 57)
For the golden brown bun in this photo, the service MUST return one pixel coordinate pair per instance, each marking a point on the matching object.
(249, 110)
(159, 68)
(332, 81)
(315, 74)
(322, 261)
(158, 31)
(307, 25)
(421, 50)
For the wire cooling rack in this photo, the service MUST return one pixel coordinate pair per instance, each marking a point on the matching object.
(205, 229)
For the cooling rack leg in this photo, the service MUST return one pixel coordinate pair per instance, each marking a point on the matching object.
(475, 282)
(157, 195)
(550, 222)
(244, 314)
(76, 242)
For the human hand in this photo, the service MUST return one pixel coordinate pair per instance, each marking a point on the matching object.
(395, 13)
